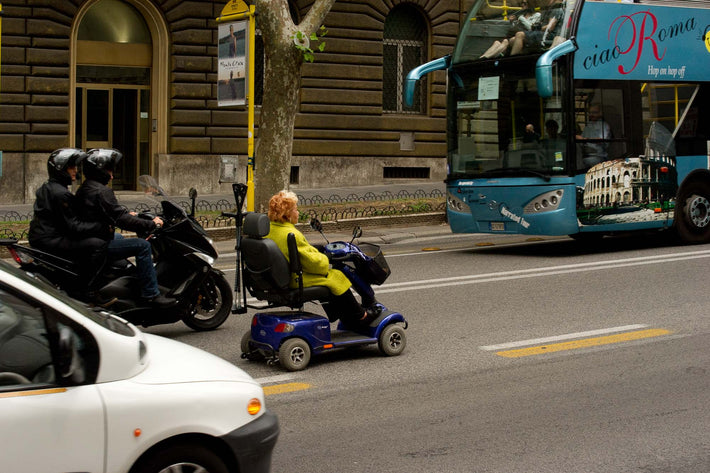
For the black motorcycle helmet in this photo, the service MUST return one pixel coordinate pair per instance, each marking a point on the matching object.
(60, 160)
(99, 162)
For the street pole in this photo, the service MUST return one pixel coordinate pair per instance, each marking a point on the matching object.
(239, 10)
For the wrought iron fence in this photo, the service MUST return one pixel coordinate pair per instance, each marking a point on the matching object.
(16, 225)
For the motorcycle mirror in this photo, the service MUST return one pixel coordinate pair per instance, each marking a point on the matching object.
(357, 233)
(316, 225)
(193, 195)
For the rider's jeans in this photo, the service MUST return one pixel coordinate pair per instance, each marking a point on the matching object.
(121, 247)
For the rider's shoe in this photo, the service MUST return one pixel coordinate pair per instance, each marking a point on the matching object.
(161, 302)
(371, 313)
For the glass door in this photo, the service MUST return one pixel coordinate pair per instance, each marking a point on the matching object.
(116, 117)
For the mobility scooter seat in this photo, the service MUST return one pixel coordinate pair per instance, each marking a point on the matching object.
(267, 272)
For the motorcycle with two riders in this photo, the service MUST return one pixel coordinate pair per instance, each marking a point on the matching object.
(183, 255)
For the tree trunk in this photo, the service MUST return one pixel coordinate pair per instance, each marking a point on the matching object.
(282, 78)
(278, 115)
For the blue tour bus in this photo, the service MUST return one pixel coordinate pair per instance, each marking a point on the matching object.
(595, 119)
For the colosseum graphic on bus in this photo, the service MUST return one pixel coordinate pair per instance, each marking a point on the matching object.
(635, 189)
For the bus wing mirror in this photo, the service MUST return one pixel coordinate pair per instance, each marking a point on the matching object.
(415, 74)
(543, 69)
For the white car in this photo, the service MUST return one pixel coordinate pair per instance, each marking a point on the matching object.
(85, 391)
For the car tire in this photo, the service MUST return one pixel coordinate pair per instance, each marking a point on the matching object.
(294, 354)
(186, 458)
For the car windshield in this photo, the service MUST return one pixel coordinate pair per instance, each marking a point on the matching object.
(101, 317)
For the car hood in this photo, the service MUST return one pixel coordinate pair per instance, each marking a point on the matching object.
(169, 361)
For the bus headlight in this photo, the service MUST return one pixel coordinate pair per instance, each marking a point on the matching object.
(544, 202)
(456, 204)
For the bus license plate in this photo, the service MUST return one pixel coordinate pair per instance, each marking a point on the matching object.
(497, 226)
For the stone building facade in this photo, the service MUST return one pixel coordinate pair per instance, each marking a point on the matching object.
(141, 76)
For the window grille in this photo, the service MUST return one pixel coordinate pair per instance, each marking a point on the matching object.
(404, 48)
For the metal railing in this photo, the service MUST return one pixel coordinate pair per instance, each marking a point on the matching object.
(315, 206)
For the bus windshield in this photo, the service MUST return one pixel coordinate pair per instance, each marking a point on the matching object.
(497, 28)
(500, 126)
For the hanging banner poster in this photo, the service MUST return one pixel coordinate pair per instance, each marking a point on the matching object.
(232, 63)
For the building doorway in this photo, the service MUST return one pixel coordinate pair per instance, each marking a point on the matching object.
(112, 116)
(116, 66)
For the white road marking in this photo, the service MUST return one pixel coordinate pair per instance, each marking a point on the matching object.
(274, 379)
(569, 336)
(424, 284)
(538, 272)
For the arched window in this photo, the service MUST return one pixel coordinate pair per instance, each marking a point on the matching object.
(404, 48)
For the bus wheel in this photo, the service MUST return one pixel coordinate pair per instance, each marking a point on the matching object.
(693, 215)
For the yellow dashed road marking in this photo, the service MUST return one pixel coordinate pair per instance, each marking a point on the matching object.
(285, 388)
(584, 343)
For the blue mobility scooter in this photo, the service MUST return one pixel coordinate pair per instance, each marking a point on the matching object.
(291, 337)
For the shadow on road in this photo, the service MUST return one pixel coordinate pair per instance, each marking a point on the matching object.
(588, 246)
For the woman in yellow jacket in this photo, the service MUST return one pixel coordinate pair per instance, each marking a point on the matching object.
(283, 214)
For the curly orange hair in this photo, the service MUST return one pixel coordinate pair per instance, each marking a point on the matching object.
(281, 205)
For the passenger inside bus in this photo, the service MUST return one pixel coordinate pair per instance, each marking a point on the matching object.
(553, 143)
(542, 34)
(595, 137)
(526, 19)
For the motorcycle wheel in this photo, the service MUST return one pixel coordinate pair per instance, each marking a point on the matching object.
(212, 305)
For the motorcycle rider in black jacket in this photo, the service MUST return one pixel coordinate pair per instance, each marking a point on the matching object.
(55, 227)
(97, 202)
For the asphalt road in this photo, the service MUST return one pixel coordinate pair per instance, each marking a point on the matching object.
(522, 356)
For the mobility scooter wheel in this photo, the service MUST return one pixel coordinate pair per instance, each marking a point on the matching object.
(294, 354)
(247, 352)
(392, 340)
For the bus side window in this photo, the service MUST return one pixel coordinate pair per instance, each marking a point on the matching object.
(693, 137)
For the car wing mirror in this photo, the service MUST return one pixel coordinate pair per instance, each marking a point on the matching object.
(69, 363)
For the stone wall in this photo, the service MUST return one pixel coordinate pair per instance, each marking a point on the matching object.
(341, 135)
